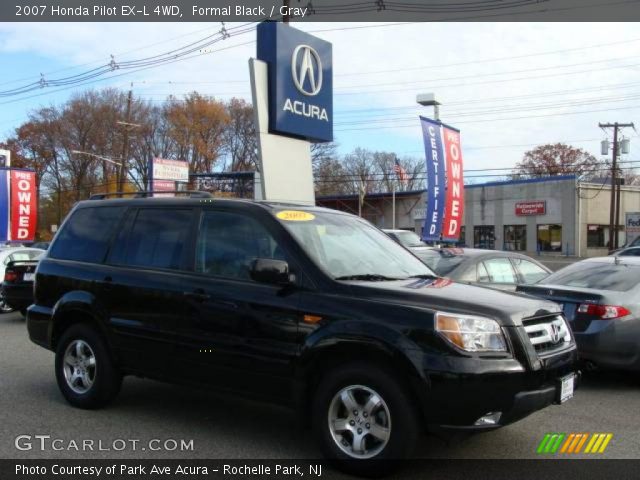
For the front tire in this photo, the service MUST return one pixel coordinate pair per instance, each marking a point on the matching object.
(85, 372)
(363, 418)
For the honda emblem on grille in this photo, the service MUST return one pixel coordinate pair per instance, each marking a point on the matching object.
(554, 333)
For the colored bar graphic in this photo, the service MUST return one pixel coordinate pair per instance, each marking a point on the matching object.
(572, 443)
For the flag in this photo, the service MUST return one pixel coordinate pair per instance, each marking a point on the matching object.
(401, 173)
(434, 152)
(454, 198)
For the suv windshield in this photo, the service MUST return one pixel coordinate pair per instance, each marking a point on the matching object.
(347, 246)
(596, 275)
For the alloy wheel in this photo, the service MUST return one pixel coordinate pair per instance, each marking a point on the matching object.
(359, 421)
(79, 365)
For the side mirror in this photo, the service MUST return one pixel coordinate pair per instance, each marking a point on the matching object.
(273, 272)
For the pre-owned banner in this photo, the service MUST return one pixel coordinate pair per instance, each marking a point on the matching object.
(454, 207)
(432, 133)
(4, 205)
(24, 205)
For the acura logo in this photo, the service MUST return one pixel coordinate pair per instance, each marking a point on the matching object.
(306, 70)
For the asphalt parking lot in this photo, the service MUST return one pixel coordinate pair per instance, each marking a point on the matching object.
(30, 404)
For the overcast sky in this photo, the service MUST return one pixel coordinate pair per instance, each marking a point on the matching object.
(507, 86)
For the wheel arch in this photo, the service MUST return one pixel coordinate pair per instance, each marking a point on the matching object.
(331, 351)
(73, 308)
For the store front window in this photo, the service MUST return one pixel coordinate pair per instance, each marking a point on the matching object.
(515, 237)
(550, 238)
(597, 236)
(484, 237)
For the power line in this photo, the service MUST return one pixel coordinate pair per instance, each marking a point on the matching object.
(415, 124)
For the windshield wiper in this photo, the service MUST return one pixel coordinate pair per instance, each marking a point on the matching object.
(424, 275)
(370, 277)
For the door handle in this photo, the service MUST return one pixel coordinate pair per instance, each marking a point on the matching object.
(197, 295)
(106, 283)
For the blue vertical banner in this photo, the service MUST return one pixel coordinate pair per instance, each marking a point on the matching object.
(5, 202)
(432, 133)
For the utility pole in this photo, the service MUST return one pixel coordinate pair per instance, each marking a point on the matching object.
(122, 174)
(285, 17)
(614, 206)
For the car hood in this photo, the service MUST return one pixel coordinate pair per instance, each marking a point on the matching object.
(442, 294)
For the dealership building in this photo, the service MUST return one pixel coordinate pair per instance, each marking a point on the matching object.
(557, 215)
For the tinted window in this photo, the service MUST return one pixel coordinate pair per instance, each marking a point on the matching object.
(530, 272)
(228, 243)
(158, 239)
(500, 270)
(597, 275)
(85, 236)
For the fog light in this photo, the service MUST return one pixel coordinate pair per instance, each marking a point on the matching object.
(491, 418)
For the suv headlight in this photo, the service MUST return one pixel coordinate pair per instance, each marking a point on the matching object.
(471, 333)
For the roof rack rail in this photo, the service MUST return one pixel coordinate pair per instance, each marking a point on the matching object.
(145, 194)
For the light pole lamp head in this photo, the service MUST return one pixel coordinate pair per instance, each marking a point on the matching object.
(427, 100)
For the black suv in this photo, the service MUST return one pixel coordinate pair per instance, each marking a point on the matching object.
(305, 306)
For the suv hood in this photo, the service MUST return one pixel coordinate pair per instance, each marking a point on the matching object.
(445, 295)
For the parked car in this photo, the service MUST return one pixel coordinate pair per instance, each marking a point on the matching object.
(40, 245)
(634, 243)
(309, 307)
(601, 299)
(492, 268)
(17, 287)
(627, 252)
(406, 238)
(8, 255)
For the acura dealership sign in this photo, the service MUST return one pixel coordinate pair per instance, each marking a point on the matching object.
(300, 82)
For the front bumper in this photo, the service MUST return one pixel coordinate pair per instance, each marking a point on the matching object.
(455, 401)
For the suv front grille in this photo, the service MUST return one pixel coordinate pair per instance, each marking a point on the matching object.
(548, 334)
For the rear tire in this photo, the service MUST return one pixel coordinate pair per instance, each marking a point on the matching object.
(364, 419)
(85, 372)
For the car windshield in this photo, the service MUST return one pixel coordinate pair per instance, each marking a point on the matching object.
(441, 261)
(596, 275)
(409, 239)
(347, 247)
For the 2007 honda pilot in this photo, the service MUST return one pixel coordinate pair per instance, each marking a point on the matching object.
(306, 306)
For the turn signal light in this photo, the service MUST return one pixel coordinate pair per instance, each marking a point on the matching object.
(10, 276)
(603, 312)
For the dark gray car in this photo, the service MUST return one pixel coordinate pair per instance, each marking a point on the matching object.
(493, 268)
(601, 299)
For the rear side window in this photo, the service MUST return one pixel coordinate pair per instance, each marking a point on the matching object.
(596, 275)
(85, 236)
(159, 238)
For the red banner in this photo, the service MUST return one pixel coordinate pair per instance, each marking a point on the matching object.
(24, 205)
(454, 199)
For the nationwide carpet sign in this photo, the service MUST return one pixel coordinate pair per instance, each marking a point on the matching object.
(445, 181)
(18, 205)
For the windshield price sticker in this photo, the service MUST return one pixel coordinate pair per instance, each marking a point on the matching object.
(295, 216)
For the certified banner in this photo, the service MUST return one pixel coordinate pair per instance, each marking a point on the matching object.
(432, 133)
(454, 208)
(24, 205)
